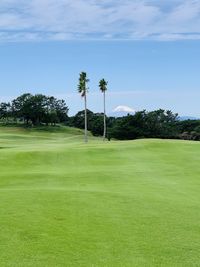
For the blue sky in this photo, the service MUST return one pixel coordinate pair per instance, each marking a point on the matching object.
(148, 50)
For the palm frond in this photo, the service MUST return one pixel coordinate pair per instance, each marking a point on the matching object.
(103, 85)
(82, 89)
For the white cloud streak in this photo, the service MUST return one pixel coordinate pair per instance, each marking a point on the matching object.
(44, 20)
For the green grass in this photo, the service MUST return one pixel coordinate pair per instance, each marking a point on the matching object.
(113, 204)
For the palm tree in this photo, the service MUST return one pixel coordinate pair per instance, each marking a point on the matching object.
(103, 87)
(82, 89)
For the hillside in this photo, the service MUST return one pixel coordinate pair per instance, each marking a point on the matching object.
(64, 203)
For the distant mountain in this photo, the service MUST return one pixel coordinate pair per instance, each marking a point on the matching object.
(121, 111)
(184, 118)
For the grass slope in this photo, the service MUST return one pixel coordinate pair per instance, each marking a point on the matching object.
(115, 204)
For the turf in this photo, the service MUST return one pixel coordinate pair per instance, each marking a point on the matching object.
(105, 204)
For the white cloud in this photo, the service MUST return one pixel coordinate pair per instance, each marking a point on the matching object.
(37, 20)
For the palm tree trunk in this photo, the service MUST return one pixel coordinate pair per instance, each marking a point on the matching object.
(104, 102)
(86, 137)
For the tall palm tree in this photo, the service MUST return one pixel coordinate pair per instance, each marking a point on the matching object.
(103, 87)
(82, 89)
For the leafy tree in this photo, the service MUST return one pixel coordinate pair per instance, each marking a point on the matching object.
(55, 110)
(159, 124)
(82, 89)
(5, 111)
(187, 125)
(94, 122)
(39, 109)
(103, 87)
(78, 120)
(21, 107)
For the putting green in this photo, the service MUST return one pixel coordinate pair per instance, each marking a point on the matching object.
(112, 204)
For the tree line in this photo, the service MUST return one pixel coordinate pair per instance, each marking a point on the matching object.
(34, 110)
(155, 124)
(40, 109)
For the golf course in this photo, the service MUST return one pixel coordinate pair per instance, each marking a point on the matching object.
(101, 204)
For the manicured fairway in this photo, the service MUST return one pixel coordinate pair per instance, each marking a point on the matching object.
(112, 204)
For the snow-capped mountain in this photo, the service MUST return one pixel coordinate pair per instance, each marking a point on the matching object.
(121, 111)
